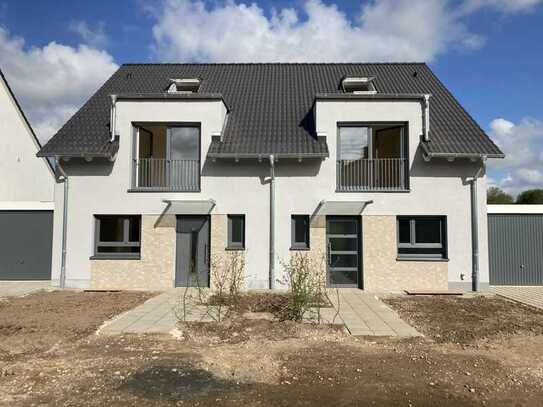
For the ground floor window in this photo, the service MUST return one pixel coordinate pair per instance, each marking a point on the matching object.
(117, 236)
(236, 232)
(422, 237)
(299, 232)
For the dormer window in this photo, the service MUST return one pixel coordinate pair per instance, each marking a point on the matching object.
(185, 85)
(359, 85)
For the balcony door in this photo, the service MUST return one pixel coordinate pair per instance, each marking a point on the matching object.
(183, 155)
(372, 157)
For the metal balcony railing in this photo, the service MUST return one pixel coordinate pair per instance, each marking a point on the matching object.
(382, 174)
(168, 175)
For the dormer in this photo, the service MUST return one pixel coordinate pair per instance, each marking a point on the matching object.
(361, 85)
(184, 85)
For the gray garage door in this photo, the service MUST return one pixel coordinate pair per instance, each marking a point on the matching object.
(515, 249)
(25, 245)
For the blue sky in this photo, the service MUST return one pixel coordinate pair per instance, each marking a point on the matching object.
(488, 52)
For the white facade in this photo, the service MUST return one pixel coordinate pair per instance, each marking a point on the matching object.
(437, 187)
(26, 179)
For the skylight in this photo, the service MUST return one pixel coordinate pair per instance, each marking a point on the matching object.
(184, 85)
(359, 85)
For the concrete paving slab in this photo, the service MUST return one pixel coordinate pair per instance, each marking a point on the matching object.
(529, 295)
(362, 313)
(20, 288)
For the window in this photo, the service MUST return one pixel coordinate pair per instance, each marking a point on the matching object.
(236, 232)
(422, 237)
(166, 157)
(359, 85)
(372, 157)
(299, 231)
(117, 236)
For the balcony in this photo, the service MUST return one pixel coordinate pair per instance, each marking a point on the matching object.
(167, 175)
(383, 174)
(166, 158)
(372, 157)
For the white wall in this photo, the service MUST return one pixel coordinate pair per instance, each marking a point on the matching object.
(25, 177)
(437, 188)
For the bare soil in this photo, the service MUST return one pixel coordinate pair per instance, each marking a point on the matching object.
(275, 304)
(271, 363)
(37, 322)
(467, 320)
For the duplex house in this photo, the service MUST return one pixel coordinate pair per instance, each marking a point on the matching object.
(374, 168)
(26, 196)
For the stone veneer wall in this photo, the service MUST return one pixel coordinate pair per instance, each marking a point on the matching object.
(383, 273)
(153, 271)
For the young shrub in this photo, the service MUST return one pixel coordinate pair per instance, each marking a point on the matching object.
(228, 272)
(306, 285)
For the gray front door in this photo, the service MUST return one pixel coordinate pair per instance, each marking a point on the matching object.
(192, 258)
(343, 247)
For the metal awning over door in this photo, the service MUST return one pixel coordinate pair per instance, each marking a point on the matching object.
(341, 208)
(189, 207)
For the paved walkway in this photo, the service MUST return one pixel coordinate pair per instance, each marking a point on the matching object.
(529, 295)
(365, 315)
(362, 313)
(19, 288)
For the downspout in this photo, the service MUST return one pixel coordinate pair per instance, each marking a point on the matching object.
(113, 117)
(426, 114)
(62, 281)
(272, 222)
(475, 229)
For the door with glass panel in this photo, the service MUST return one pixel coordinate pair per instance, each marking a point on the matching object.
(343, 251)
(183, 156)
(192, 251)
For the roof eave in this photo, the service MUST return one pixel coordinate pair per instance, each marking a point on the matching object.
(263, 155)
(431, 154)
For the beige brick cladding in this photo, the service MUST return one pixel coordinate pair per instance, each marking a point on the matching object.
(383, 273)
(155, 269)
(220, 256)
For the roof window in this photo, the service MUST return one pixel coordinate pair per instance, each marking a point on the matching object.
(186, 85)
(359, 85)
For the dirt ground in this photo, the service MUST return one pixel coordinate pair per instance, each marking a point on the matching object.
(265, 363)
(42, 320)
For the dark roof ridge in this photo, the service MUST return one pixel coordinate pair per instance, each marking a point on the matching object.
(268, 63)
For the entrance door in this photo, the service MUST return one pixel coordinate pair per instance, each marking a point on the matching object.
(192, 258)
(343, 243)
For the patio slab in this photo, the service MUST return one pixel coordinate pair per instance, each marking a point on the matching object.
(529, 295)
(361, 312)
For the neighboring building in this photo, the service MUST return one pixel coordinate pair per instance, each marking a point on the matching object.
(367, 166)
(26, 196)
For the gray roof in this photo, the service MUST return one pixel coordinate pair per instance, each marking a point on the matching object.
(270, 107)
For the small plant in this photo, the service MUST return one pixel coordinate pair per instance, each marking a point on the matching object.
(306, 286)
(228, 272)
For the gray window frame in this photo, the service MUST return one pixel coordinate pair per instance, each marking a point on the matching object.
(140, 125)
(231, 245)
(404, 148)
(124, 243)
(417, 247)
(294, 245)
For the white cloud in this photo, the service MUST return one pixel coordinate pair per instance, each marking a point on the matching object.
(53, 81)
(522, 144)
(384, 30)
(504, 6)
(96, 38)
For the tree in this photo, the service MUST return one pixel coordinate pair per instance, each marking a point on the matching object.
(530, 196)
(495, 195)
